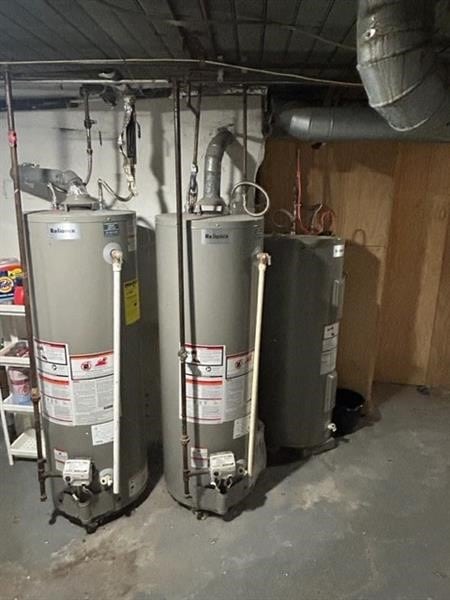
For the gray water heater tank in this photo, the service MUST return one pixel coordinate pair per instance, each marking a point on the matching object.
(302, 309)
(220, 303)
(72, 307)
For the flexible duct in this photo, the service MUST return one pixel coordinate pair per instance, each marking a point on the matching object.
(213, 169)
(403, 79)
(404, 82)
(322, 124)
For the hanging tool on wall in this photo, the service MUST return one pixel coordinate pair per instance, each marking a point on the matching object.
(88, 122)
(127, 142)
(192, 193)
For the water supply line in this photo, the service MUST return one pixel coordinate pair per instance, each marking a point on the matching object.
(263, 263)
(256, 186)
(117, 262)
(24, 259)
(182, 354)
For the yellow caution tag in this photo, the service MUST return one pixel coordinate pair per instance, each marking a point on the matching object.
(131, 301)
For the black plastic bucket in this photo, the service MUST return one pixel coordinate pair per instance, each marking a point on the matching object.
(347, 411)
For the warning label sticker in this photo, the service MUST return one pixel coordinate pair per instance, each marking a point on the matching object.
(199, 458)
(102, 433)
(90, 366)
(330, 331)
(111, 229)
(131, 301)
(92, 399)
(51, 358)
(58, 411)
(205, 361)
(237, 397)
(241, 427)
(204, 399)
(328, 361)
(239, 364)
(60, 458)
(329, 348)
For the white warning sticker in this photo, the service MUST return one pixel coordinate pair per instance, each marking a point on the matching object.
(51, 358)
(241, 427)
(239, 364)
(204, 400)
(91, 366)
(205, 355)
(329, 343)
(58, 411)
(328, 361)
(60, 458)
(92, 399)
(103, 433)
(331, 330)
(237, 397)
(57, 399)
(199, 458)
(338, 250)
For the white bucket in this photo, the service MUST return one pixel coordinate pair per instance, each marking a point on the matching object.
(19, 385)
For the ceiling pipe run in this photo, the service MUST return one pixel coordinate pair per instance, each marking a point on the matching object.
(405, 83)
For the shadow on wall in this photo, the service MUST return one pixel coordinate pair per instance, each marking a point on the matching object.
(149, 363)
(157, 158)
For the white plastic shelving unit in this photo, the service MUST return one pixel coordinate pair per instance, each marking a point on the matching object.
(24, 446)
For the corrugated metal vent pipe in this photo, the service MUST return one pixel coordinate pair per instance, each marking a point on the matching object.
(213, 169)
(403, 79)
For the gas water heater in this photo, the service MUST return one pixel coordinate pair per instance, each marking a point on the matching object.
(221, 253)
(303, 306)
(85, 306)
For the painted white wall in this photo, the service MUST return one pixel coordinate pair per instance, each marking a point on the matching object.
(56, 139)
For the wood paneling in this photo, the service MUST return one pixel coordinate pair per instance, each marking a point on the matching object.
(392, 205)
(439, 363)
(418, 234)
(357, 181)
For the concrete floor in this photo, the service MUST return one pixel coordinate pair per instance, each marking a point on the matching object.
(369, 520)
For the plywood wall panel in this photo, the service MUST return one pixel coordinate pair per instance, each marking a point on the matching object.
(392, 203)
(418, 234)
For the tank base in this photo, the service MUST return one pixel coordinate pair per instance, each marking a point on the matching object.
(93, 524)
(208, 500)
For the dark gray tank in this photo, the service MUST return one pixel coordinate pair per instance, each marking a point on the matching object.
(302, 310)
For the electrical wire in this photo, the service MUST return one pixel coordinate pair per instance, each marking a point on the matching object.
(192, 61)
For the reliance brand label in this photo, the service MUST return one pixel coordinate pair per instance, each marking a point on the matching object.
(64, 231)
(215, 236)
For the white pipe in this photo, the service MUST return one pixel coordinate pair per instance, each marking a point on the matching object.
(117, 260)
(263, 261)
